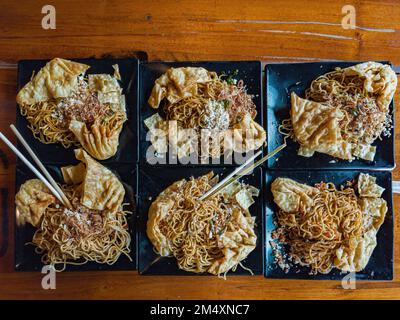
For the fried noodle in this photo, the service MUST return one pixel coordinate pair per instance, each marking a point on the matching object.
(190, 112)
(193, 227)
(363, 121)
(315, 234)
(49, 120)
(82, 235)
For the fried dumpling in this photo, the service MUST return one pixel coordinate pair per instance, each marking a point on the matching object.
(356, 255)
(316, 128)
(32, 200)
(56, 80)
(168, 134)
(157, 212)
(100, 141)
(379, 79)
(100, 188)
(239, 239)
(367, 186)
(289, 194)
(236, 243)
(248, 135)
(108, 90)
(74, 174)
(158, 131)
(178, 83)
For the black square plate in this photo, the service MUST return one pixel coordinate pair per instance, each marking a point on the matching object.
(380, 266)
(281, 80)
(152, 180)
(25, 257)
(55, 153)
(249, 71)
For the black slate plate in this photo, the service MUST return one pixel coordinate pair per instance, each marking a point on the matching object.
(25, 257)
(281, 80)
(249, 71)
(380, 266)
(55, 153)
(153, 180)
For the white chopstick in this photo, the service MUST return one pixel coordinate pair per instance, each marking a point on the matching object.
(41, 166)
(30, 166)
(240, 172)
(209, 192)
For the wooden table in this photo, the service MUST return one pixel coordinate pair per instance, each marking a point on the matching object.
(272, 31)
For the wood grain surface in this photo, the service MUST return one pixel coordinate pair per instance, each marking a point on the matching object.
(271, 31)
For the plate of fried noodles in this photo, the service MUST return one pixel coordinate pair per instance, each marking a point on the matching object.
(181, 235)
(332, 114)
(96, 233)
(205, 110)
(329, 224)
(63, 104)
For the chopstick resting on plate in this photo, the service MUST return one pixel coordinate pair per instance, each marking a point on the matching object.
(51, 184)
(240, 172)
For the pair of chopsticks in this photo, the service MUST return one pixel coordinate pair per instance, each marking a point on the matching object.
(49, 182)
(244, 169)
